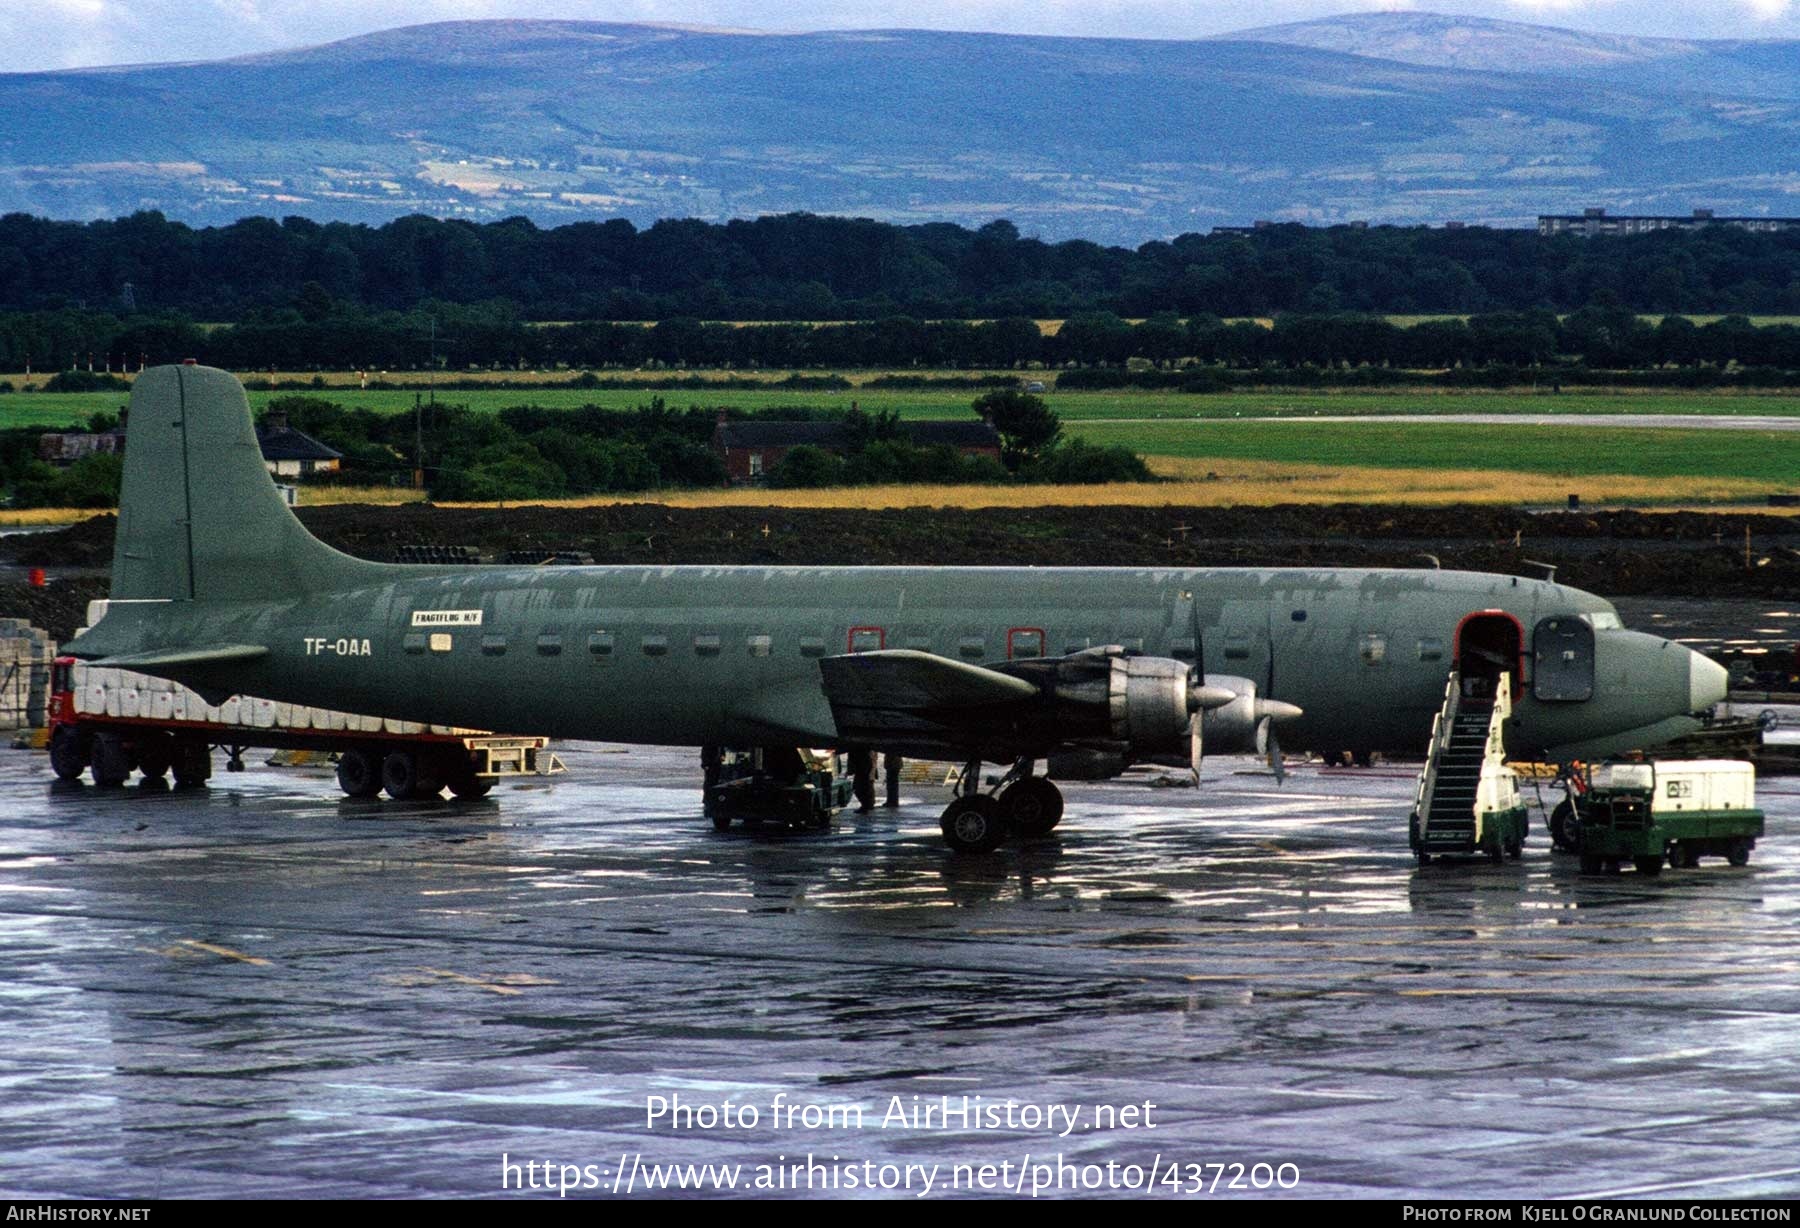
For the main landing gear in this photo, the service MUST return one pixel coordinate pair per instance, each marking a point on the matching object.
(1021, 803)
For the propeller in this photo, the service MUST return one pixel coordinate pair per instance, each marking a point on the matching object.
(1200, 695)
(1272, 710)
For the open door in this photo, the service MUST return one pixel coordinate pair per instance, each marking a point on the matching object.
(1490, 643)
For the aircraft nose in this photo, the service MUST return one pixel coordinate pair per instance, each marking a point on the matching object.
(1707, 682)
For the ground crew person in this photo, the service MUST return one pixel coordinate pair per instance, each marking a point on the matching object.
(862, 778)
(890, 766)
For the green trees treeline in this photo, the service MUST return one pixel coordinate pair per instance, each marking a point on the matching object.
(527, 452)
(804, 267)
(1602, 337)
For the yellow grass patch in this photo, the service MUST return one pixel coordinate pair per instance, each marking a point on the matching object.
(14, 517)
(321, 496)
(1232, 483)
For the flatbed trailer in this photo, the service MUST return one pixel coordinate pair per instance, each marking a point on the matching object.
(1676, 811)
(110, 723)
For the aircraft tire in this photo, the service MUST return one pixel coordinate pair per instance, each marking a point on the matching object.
(1033, 806)
(69, 750)
(973, 824)
(1565, 827)
(110, 764)
(359, 773)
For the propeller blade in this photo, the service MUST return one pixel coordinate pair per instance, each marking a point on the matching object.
(1277, 762)
(1265, 732)
(1195, 751)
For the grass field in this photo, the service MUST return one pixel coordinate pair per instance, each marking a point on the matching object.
(1762, 461)
(72, 409)
(1189, 437)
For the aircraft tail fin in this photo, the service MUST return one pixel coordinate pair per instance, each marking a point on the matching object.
(200, 518)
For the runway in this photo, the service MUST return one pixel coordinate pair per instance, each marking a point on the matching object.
(262, 990)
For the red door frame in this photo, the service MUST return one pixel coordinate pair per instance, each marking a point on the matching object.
(1518, 672)
(1043, 640)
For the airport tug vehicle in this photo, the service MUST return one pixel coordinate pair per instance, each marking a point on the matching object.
(1468, 800)
(795, 788)
(1674, 810)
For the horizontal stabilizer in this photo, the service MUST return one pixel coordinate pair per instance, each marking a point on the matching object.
(185, 658)
(900, 678)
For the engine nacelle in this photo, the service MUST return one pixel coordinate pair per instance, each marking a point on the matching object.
(1137, 706)
(1241, 726)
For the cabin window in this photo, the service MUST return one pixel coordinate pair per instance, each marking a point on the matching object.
(1237, 644)
(867, 639)
(1298, 616)
(919, 643)
(1132, 643)
(493, 645)
(972, 646)
(706, 645)
(656, 645)
(600, 643)
(1024, 642)
(549, 643)
(414, 643)
(1074, 646)
(756, 464)
(812, 646)
(760, 645)
(442, 641)
(1182, 647)
(1372, 648)
(1431, 649)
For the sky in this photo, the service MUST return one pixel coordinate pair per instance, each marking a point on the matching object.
(49, 34)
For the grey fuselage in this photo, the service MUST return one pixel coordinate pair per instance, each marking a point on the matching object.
(730, 655)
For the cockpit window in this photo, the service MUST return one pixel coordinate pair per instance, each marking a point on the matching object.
(1604, 620)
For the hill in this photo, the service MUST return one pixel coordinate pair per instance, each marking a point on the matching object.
(1109, 139)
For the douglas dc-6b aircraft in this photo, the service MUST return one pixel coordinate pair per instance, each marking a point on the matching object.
(217, 586)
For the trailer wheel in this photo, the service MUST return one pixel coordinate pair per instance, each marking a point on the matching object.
(470, 787)
(110, 764)
(1591, 863)
(69, 750)
(721, 820)
(359, 773)
(1739, 853)
(407, 775)
(193, 764)
(1649, 866)
(156, 755)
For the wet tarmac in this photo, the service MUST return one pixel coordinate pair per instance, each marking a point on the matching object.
(263, 990)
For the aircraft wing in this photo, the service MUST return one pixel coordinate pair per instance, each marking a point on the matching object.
(906, 700)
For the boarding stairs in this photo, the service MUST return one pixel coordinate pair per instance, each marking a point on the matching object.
(1466, 744)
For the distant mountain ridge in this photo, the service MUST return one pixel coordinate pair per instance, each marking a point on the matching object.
(1386, 117)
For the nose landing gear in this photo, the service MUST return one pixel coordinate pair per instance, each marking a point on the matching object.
(978, 822)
